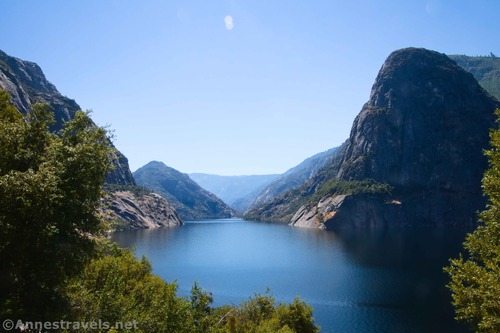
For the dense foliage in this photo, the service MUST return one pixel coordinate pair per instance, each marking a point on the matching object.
(475, 280)
(260, 315)
(55, 264)
(118, 287)
(50, 186)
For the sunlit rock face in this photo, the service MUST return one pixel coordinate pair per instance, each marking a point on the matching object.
(126, 210)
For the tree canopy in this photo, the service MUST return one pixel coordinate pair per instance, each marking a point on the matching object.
(475, 279)
(50, 187)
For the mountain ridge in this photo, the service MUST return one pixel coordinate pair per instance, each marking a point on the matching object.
(295, 177)
(190, 200)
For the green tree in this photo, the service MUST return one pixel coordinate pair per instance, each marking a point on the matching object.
(260, 314)
(50, 188)
(297, 316)
(475, 280)
(200, 308)
(118, 287)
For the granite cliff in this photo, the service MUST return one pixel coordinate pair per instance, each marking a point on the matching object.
(138, 209)
(414, 155)
(26, 83)
(189, 199)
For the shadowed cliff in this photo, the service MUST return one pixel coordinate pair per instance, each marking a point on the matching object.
(414, 155)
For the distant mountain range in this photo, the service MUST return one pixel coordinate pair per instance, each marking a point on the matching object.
(237, 191)
(295, 177)
(244, 192)
(189, 199)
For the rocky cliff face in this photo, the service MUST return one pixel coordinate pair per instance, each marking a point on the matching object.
(189, 200)
(127, 210)
(423, 132)
(426, 117)
(27, 85)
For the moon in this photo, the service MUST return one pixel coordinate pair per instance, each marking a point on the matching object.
(228, 20)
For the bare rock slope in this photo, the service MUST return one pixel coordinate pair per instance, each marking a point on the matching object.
(127, 210)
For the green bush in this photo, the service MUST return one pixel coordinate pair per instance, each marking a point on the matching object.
(261, 314)
(118, 287)
(136, 190)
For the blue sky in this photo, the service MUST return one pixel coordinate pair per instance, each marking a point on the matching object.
(232, 87)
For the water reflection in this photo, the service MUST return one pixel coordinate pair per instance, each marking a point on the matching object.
(415, 257)
(402, 247)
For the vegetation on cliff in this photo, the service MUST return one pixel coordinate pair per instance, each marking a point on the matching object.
(486, 70)
(475, 279)
(342, 187)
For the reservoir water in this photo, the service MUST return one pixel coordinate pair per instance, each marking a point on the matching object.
(359, 281)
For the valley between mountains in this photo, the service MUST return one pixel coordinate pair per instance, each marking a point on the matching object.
(414, 156)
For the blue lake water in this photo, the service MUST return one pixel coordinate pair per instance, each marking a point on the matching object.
(359, 281)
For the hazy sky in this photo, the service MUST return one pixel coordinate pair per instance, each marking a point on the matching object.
(232, 87)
